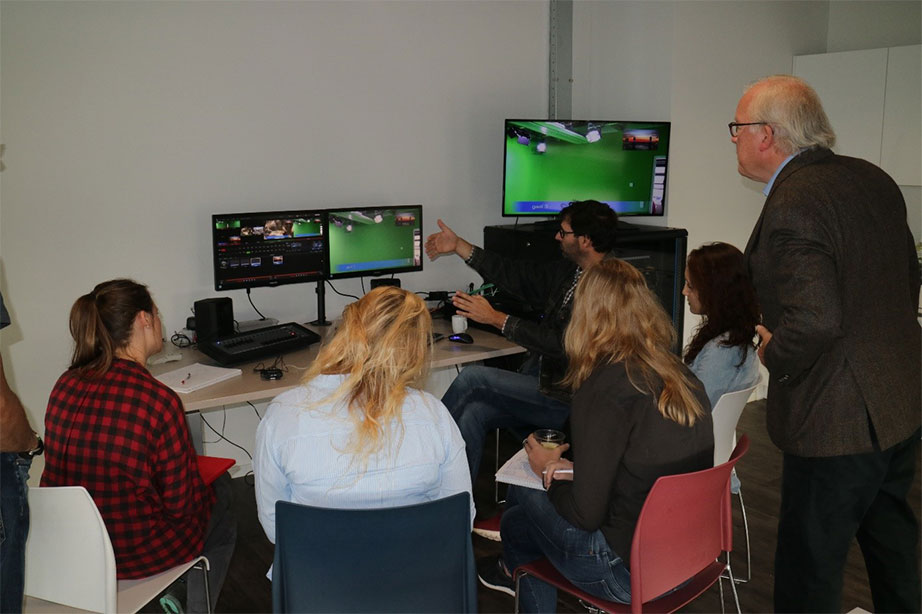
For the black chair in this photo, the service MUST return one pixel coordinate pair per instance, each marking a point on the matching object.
(415, 558)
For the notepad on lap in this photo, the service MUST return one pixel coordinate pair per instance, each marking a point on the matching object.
(196, 376)
(211, 467)
(517, 471)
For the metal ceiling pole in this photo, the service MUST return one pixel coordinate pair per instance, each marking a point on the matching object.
(560, 64)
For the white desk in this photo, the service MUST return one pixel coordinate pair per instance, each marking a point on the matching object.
(251, 387)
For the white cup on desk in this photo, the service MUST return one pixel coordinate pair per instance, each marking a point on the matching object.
(458, 324)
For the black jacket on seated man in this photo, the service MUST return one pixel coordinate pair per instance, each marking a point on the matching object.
(546, 286)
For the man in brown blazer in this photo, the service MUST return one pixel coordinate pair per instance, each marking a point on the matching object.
(835, 269)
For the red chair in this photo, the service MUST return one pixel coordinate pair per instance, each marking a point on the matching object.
(683, 528)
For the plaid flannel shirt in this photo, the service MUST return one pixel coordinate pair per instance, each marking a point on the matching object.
(124, 438)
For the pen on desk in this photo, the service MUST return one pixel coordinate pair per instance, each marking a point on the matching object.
(185, 379)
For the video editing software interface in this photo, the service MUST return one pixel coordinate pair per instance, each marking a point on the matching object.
(375, 240)
(549, 163)
(268, 248)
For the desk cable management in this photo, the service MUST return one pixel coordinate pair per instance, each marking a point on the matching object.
(222, 436)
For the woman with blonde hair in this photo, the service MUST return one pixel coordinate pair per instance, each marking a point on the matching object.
(637, 414)
(358, 432)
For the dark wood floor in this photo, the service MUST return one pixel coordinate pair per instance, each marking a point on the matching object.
(248, 590)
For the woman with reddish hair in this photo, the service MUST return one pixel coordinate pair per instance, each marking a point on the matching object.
(721, 353)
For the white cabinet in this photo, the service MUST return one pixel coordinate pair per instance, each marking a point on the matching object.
(874, 100)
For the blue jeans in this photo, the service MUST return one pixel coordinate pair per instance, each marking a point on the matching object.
(532, 528)
(14, 528)
(483, 398)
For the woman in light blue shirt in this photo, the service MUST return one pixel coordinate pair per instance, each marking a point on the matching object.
(721, 353)
(358, 432)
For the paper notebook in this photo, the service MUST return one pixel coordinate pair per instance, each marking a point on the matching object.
(196, 376)
(212, 467)
(517, 471)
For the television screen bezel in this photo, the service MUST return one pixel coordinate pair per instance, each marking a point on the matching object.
(373, 272)
(538, 216)
(271, 283)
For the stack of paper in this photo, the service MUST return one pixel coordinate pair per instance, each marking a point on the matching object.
(196, 376)
(517, 471)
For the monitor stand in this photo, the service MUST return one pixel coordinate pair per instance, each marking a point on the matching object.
(321, 305)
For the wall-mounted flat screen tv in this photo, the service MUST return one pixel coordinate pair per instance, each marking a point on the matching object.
(550, 163)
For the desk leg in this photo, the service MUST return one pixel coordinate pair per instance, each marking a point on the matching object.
(194, 420)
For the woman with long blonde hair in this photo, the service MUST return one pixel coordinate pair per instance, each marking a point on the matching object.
(638, 413)
(358, 432)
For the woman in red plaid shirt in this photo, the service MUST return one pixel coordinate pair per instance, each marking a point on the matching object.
(115, 430)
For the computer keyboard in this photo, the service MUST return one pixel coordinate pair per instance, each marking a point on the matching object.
(259, 343)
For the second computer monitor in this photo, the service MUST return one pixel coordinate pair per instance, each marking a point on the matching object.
(375, 240)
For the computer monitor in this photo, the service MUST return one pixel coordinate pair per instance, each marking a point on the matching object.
(268, 248)
(550, 163)
(375, 240)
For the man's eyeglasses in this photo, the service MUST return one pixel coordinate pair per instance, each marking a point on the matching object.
(735, 126)
(564, 233)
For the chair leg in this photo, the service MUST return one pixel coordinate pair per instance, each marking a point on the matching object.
(736, 598)
(203, 565)
(495, 483)
(720, 585)
(746, 531)
(590, 608)
(518, 578)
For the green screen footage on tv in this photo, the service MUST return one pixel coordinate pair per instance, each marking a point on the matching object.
(550, 163)
(375, 241)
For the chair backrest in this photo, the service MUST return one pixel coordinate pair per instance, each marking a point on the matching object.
(415, 558)
(725, 415)
(683, 527)
(69, 557)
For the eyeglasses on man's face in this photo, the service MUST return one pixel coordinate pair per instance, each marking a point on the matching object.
(735, 127)
(563, 233)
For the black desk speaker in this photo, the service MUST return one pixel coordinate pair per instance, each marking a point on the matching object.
(214, 318)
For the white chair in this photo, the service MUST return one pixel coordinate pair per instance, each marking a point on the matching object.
(70, 562)
(725, 416)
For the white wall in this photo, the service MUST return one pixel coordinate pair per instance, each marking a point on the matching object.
(689, 62)
(721, 48)
(873, 24)
(128, 124)
(622, 60)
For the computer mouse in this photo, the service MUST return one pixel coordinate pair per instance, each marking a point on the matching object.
(461, 338)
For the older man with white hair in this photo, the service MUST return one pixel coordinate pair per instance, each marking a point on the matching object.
(835, 269)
